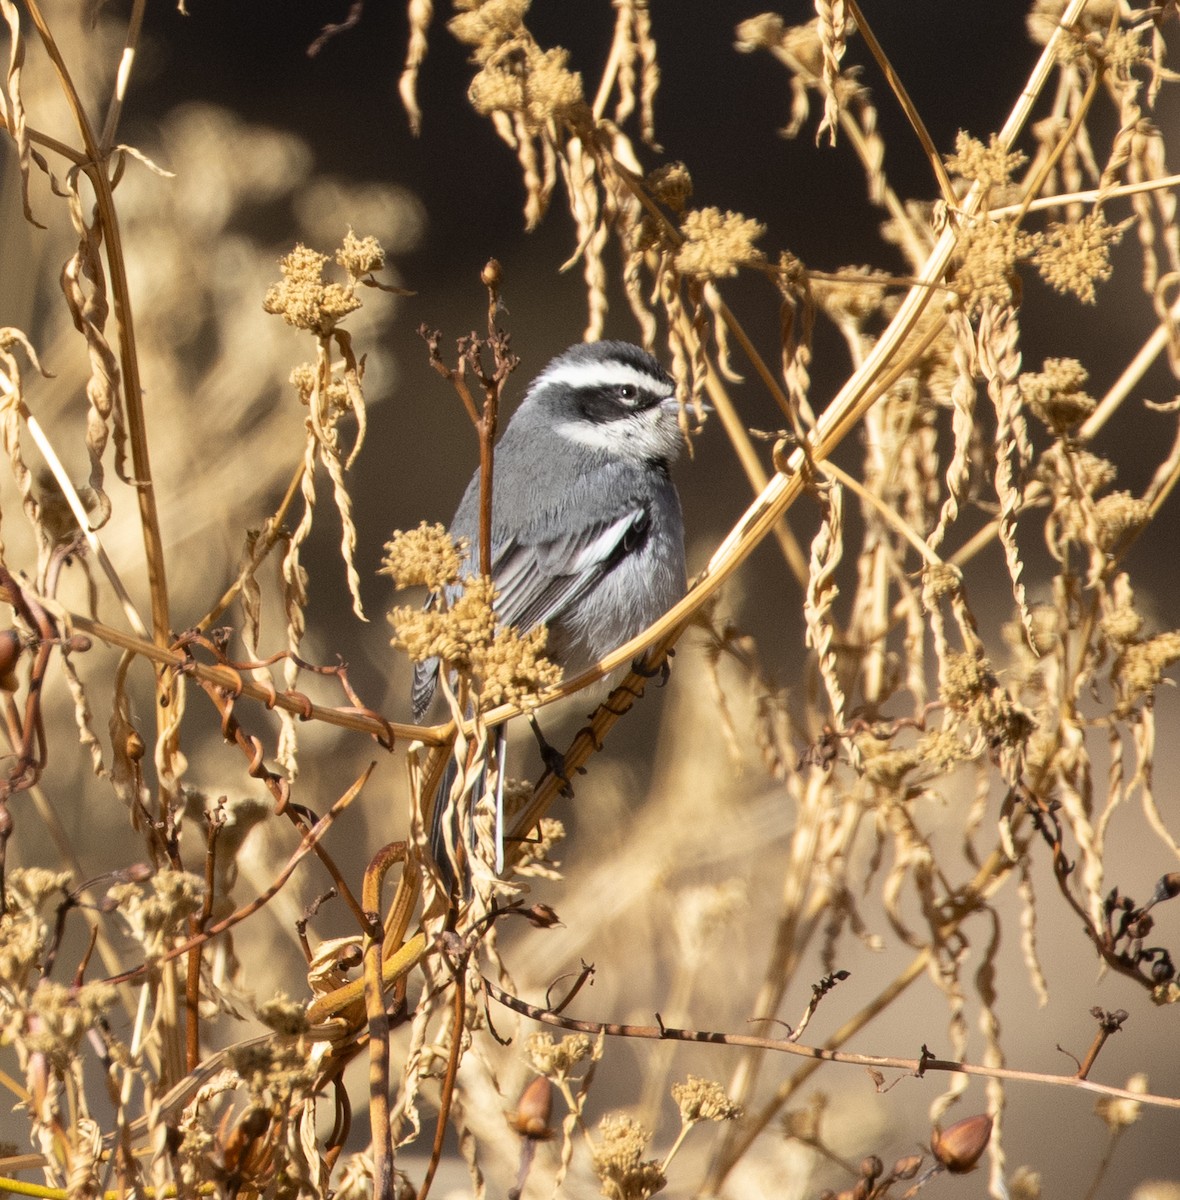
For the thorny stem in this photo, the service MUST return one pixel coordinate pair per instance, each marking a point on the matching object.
(917, 1067)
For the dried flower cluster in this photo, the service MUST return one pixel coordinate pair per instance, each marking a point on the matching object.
(460, 628)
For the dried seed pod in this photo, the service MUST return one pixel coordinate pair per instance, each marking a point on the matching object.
(133, 746)
(531, 1118)
(907, 1168)
(11, 649)
(959, 1147)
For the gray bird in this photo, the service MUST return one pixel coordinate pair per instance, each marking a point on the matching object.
(587, 536)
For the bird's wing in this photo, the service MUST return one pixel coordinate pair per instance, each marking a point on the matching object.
(538, 581)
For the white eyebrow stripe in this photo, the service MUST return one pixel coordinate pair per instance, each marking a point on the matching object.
(599, 374)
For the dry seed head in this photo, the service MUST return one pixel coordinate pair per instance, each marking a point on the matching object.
(986, 256)
(1074, 255)
(303, 299)
(1122, 51)
(762, 32)
(278, 1066)
(557, 1059)
(59, 1017)
(157, 909)
(1055, 394)
(29, 888)
(717, 243)
(452, 633)
(1025, 1184)
(1142, 665)
(622, 1172)
(283, 1015)
(941, 750)
(303, 379)
(1118, 1112)
(939, 580)
(671, 185)
(1045, 18)
(888, 768)
(1121, 623)
(23, 934)
(534, 83)
(424, 557)
(422, 634)
(970, 687)
(856, 299)
(992, 165)
(1061, 472)
(512, 668)
(1118, 514)
(487, 24)
(704, 1100)
(360, 256)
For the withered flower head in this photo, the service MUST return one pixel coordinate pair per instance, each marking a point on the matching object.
(360, 256)
(558, 1059)
(303, 299)
(704, 1100)
(427, 556)
(1073, 256)
(717, 243)
(622, 1171)
(992, 165)
(1055, 394)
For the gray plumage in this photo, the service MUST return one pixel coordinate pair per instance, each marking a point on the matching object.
(587, 535)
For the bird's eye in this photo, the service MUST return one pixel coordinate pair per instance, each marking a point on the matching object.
(628, 392)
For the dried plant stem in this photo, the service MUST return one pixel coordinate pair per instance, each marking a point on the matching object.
(739, 439)
(80, 515)
(1034, 186)
(378, 1018)
(903, 98)
(272, 535)
(917, 1067)
(788, 946)
(309, 843)
(1088, 196)
(233, 684)
(95, 169)
(123, 77)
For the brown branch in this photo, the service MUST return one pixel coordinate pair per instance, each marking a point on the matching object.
(917, 1067)
(308, 844)
(447, 1091)
(215, 820)
(380, 1129)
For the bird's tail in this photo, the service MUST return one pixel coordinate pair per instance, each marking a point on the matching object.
(449, 848)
